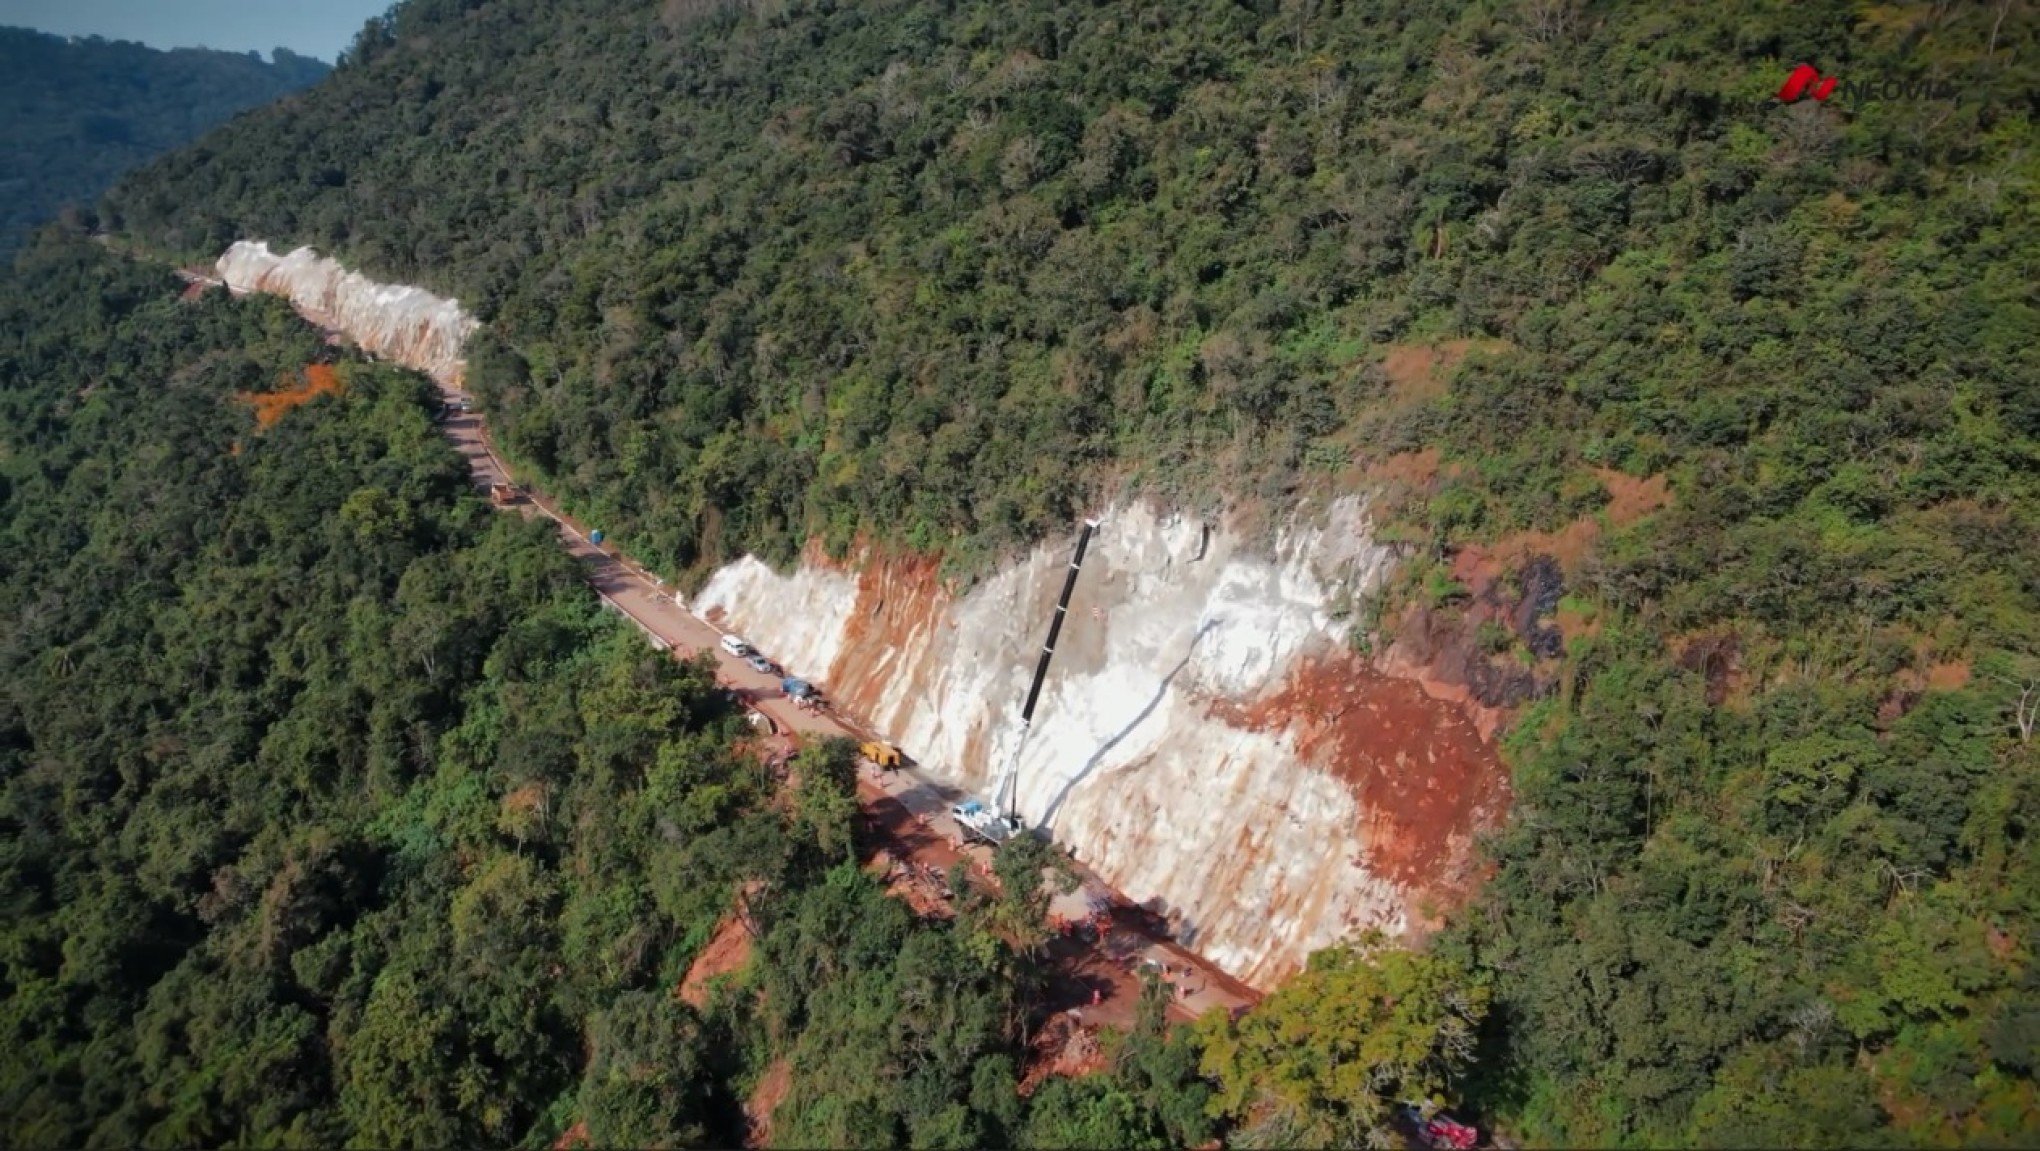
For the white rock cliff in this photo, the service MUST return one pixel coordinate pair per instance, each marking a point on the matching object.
(1206, 741)
(1146, 755)
(410, 326)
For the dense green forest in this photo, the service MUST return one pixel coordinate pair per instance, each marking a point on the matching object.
(944, 273)
(336, 811)
(76, 113)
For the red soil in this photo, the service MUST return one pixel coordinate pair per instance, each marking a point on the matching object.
(1631, 499)
(1948, 676)
(765, 1099)
(319, 380)
(899, 598)
(1440, 672)
(727, 952)
(1413, 753)
(1575, 624)
(1927, 675)
(1438, 650)
(1418, 371)
(1426, 781)
(1478, 566)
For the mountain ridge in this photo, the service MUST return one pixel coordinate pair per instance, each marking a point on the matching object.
(81, 110)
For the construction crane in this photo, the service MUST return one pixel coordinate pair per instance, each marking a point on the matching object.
(1000, 820)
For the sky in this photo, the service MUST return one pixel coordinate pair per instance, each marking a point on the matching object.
(319, 28)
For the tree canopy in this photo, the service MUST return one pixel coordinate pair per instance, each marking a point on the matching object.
(337, 811)
(942, 275)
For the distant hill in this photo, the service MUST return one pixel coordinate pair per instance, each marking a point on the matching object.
(76, 113)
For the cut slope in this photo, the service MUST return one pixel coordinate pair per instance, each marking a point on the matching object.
(1203, 740)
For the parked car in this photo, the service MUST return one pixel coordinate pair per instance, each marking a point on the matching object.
(761, 664)
(735, 646)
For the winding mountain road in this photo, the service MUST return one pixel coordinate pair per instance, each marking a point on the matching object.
(909, 810)
(1098, 977)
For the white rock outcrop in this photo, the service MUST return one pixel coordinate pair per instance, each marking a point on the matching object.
(408, 325)
(1256, 856)
(1205, 740)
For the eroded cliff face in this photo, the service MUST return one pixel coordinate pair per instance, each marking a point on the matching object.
(1206, 740)
(410, 326)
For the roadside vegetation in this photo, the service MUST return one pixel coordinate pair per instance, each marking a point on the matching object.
(336, 811)
(945, 275)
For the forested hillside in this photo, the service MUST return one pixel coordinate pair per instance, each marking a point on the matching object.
(336, 812)
(76, 113)
(299, 745)
(944, 273)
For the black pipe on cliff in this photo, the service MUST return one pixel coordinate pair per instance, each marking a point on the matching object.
(1062, 608)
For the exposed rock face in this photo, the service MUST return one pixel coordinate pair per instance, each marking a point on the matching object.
(1206, 740)
(408, 325)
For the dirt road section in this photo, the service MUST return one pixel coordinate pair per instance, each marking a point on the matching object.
(1097, 972)
(907, 810)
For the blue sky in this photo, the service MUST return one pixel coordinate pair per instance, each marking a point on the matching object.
(319, 28)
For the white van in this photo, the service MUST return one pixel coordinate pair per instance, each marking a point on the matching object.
(735, 646)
